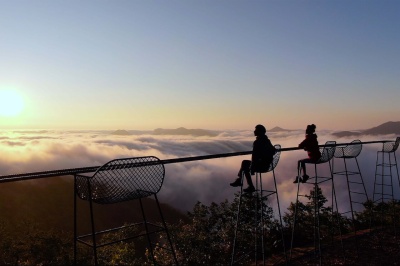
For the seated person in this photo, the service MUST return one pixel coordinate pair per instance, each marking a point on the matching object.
(309, 144)
(261, 159)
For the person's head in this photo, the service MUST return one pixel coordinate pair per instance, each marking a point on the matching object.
(310, 129)
(260, 130)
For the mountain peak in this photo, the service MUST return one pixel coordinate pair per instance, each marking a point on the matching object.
(121, 132)
(278, 129)
(183, 131)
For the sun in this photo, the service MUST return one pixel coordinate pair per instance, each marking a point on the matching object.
(11, 103)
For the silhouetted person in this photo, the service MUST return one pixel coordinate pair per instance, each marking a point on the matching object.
(310, 144)
(261, 158)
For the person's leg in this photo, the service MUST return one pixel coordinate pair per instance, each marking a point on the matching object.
(245, 165)
(246, 170)
(303, 166)
(300, 167)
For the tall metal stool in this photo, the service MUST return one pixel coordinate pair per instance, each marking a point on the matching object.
(258, 221)
(383, 184)
(355, 186)
(357, 193)
(327, 153)
(118, 181)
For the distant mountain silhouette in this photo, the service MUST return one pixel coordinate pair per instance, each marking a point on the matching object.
(184, 131)
(384, 129)
(278, 129)
(162, 131)
(121, 132)
(31, 131)
(341, 134)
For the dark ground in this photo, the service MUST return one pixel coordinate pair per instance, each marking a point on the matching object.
(379, 247)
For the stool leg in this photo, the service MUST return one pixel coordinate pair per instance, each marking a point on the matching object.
(376, 175)
(262, 220)
(397, 169)
(166, 230)
(92, 225)
(391, 175)
(256, 222)
(294, 218)
(280, 217)
(237, 223)
(334, 199)
(317, 233)
(372, 215)
(393, 203)
(362, 179)
(351, 205)
(147, 232)
(398, 179)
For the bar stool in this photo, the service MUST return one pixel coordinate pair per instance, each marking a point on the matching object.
(327, 153)
(259, 197)
(122, 180)
(383, 184)
(355, 187)
(357, 192)
(388, 151)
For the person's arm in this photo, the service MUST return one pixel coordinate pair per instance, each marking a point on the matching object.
(303, 144)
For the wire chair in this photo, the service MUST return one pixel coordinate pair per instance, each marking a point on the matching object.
(117, 181)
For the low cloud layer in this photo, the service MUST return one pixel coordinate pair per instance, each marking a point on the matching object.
(185, 183)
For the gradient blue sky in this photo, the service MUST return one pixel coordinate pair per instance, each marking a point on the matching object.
(201, 64)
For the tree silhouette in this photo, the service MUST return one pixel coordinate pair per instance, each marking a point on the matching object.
(208, 238)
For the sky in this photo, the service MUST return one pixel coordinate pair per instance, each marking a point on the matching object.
(185, 183)
(199, 64)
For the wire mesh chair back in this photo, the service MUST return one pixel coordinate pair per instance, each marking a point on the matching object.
(349, 151)
(391, 146)
(327, 152)
(276, 158)
(122, 180)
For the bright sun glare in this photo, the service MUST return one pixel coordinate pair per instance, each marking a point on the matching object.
(11, 103)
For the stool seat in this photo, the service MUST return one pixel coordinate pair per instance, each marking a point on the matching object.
(349, 151)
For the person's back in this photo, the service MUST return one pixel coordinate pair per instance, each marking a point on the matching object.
(310, 144)
(262, 155)
(261, 159)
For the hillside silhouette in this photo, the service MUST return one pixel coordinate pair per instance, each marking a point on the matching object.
(184, 131)
(121, 132)
(162, 131)
(49, 202)
(383, 129)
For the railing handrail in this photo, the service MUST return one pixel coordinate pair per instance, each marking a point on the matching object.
(82, 170)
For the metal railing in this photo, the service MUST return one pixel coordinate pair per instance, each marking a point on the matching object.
(82, 170)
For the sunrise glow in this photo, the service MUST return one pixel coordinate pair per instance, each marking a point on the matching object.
(11, 103)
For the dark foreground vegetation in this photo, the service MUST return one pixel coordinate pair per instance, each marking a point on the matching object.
(36, 229)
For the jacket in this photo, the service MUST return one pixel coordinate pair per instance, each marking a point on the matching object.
(310, 144)
(262, 155)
